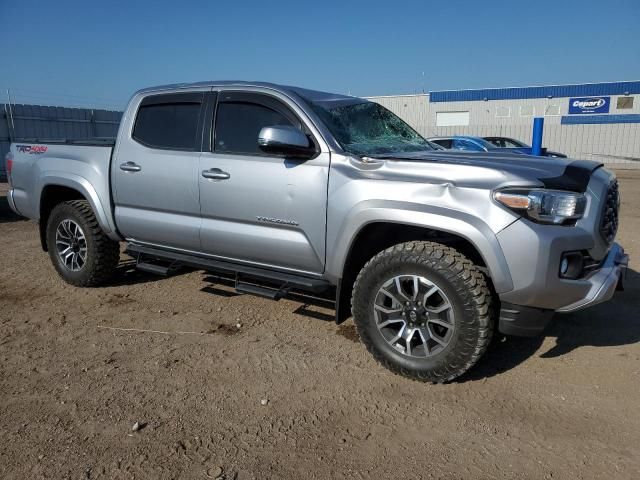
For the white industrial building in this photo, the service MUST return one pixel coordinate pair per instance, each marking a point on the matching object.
(599, 121)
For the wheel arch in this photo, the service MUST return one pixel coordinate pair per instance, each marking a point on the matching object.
(478, 244)
(57, 189)
(470, 316)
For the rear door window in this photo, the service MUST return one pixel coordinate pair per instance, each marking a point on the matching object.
(498, 142)
(240, 117)
(169, 122)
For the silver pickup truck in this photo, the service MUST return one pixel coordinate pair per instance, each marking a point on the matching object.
(288, 189)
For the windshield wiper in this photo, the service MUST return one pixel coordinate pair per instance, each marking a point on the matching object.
(397, 156)
(380, 156)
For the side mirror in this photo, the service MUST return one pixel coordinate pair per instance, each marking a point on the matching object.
(285, 140)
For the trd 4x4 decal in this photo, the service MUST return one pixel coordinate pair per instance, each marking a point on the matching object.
(31, 149)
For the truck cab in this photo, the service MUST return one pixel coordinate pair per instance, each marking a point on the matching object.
(189, 175)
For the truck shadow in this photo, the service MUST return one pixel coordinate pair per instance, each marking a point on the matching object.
(311, 306)
(609, 324)
(127, 274)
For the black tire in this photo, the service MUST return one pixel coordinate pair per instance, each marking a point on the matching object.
(102, 253)
(466, 290)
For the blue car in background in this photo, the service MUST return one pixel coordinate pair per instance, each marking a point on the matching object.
(470, 143)
(506, 142)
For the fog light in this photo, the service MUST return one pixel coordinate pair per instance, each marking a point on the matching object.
(564, 266)
(571, 265)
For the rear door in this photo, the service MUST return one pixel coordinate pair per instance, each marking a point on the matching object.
(155, 171)
(261, 209)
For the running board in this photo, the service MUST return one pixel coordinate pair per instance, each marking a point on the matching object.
(315, 285)
(265, 292)
(153, 268)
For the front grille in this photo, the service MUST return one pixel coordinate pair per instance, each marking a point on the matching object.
(609, 225)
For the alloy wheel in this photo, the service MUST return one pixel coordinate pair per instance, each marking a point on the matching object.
(414, 315)
(71, 245)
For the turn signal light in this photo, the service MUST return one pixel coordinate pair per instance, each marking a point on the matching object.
(512, 200)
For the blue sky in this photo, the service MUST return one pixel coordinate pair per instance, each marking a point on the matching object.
(72, 52)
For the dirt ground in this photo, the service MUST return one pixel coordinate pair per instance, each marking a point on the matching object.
(287, 393)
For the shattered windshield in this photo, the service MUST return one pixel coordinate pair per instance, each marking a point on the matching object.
(368, 128)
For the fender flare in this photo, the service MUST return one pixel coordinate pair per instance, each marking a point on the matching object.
(471, 228)
(82, 186)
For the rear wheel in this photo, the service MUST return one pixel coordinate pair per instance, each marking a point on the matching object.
(80, 251)
(423, 310)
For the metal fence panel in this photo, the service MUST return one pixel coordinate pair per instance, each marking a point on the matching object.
(21, 122)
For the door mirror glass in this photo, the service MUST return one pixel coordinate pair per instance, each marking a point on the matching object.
(285, 140)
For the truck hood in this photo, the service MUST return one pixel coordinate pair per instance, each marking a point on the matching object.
(556, 173)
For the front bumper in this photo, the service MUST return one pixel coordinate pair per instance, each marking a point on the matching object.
(527, 321)
(603, 282)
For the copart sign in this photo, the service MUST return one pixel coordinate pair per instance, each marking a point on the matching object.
(589, 105)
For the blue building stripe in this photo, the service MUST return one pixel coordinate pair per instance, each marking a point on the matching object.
(592, 119)
(520, 93)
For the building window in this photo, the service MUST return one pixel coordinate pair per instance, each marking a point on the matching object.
(503, 112)
(552, 111)
(527, 111)
(625, 103)
(452, 119)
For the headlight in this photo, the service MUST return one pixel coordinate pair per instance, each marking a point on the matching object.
(544, 206)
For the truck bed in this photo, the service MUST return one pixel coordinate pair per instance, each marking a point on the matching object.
(86, 142)
(42, 166)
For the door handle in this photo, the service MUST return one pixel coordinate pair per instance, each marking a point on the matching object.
(130, 167)
(216, 174)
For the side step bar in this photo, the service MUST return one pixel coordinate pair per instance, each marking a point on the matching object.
(260, 291)
(284, 280)
(153, 268)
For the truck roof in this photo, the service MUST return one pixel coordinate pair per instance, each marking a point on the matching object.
(312, 95)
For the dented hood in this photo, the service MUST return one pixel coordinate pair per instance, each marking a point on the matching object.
(556, 173)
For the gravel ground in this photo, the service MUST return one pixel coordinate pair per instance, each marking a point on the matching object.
(230, 386)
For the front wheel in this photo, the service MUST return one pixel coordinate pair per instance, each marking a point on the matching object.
(80, 251)
(423, 310)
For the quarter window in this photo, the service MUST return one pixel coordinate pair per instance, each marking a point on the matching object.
(169, 121)
(239, 121)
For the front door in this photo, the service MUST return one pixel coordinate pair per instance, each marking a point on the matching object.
(155, 178)
(258, 208)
